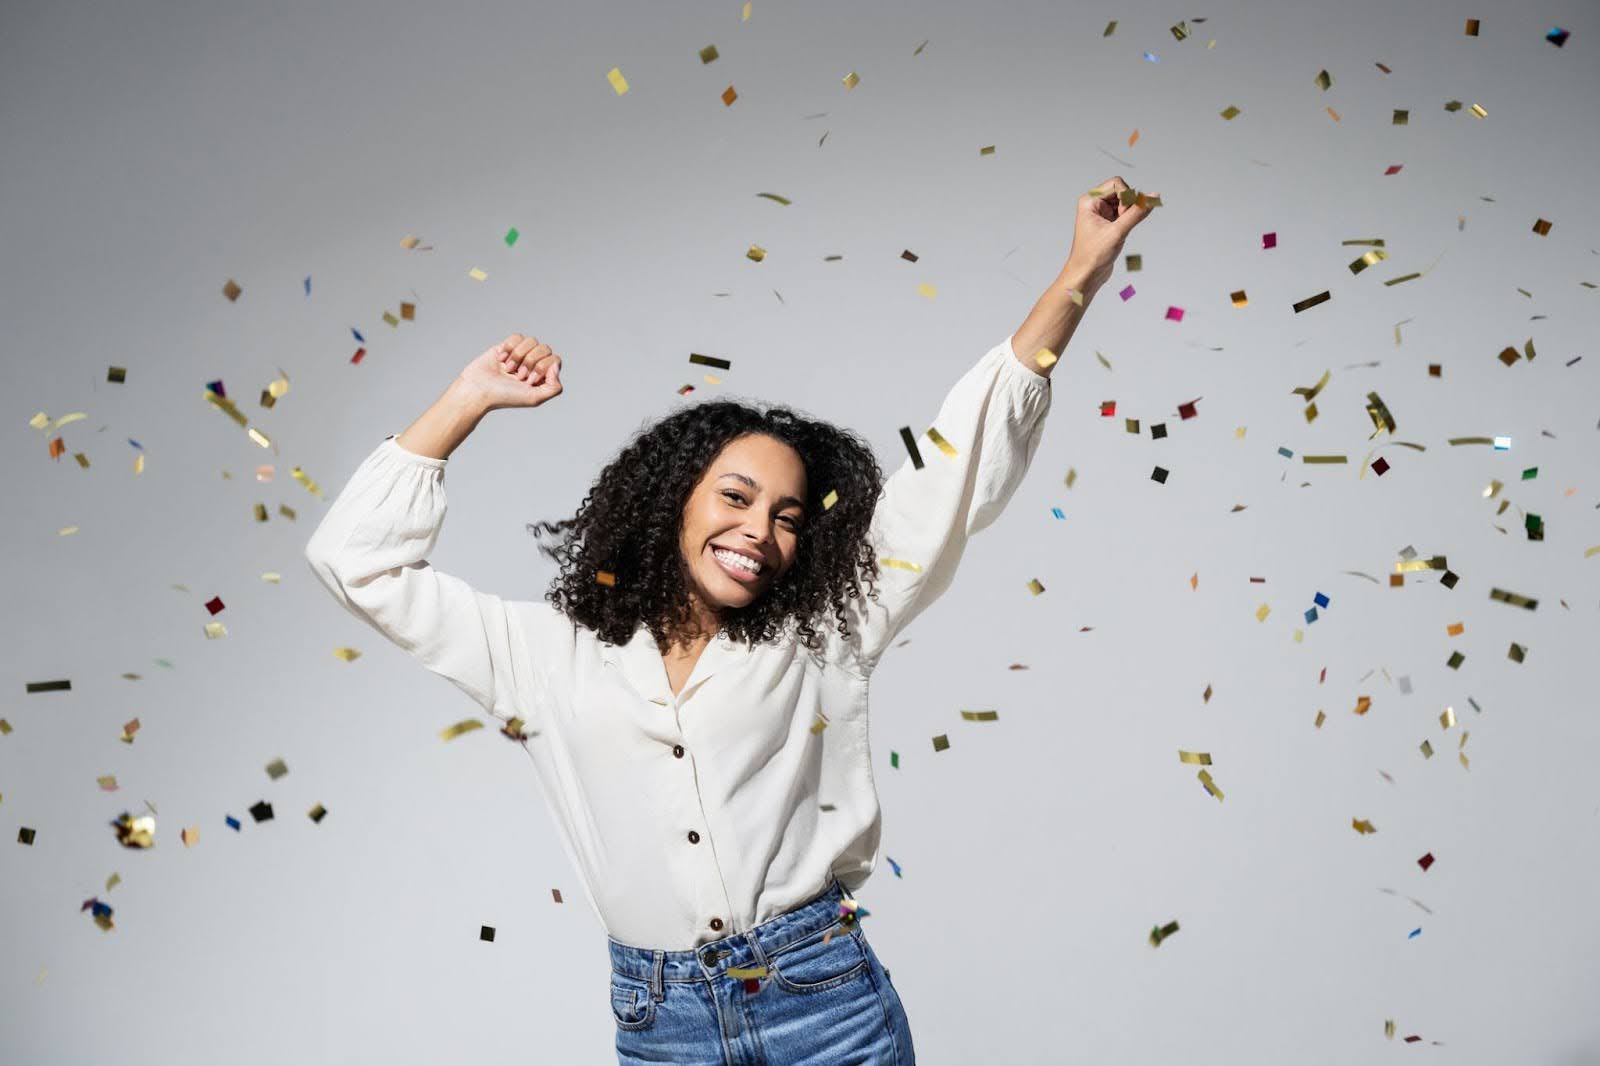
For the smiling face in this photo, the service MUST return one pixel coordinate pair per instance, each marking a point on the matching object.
(750, 502)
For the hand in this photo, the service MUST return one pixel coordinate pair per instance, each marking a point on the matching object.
(1106, 214)
(517, 372)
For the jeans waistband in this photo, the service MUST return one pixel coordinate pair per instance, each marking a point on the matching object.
(745, 950)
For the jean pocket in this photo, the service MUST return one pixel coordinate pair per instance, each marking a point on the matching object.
(810, 965)
(632, 1005)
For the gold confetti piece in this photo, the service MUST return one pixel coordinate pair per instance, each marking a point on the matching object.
(1210, 785)
(851, 80)
(1512, 598)
(317, 813)
(1180, 31)
(349, 655)
(1324, 459)
(981, 716)
(276, 769)
(231, 290)
(1447, 717)
(729, 96)
(708, 53)
(215, 630)
(942, 444)
(1311, 392)
(1388, 1028)
(1229, 112)
(1262, 612)
(710, 360)
(1240, 299)
(901, 564)
(818, 726)
(1472, 27)
(784, 200)
(408, 243)
(741, 972)
(1045, 358)
(941, 742)
(1161, 932)
(1362, 826)
(191, 836)
(137, 832)
(1321, 717)
(466, 725)
(1377, 255)
(113, 881)
(477, 275)
(745, 16)
(756, 253)
(920, 47)
(618, 82)
(1132, 262)
(829, 500)
(1541, 227)
(1455, 629)
(1196, 758)
(927, 290)
(1363, 704)
(1378, 411)
(606, 578)
(1478, 111)
(5, 728)
(986, 150)
(1427, 749)
(1324, 80)
(1111, 27)
(1591, 552)
(1034, 586)
(1312, 301)
(1401, 117)
(555, 893)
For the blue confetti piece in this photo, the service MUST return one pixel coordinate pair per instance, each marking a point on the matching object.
(233, 823)
(1414, 933)
(1320, 600)
(1311, 615)
(358, 335)
(1286, 453)
(136, 444)
(308, 284)
(1152, 57)
(216, 387)
(1057, 512)
(1557, 36)
(894, 866)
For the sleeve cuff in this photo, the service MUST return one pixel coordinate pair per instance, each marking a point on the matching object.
(1031, 379)
(392, 444)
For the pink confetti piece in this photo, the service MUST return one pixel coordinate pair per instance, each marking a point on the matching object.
(1175, 314)
(1269, 240)
(1126, 294)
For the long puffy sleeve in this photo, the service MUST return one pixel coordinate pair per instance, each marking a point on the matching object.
(370, 551)
(993, 419)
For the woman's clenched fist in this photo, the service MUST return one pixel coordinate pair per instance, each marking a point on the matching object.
(517, 372)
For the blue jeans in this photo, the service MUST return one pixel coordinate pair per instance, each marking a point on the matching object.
(819, 1005)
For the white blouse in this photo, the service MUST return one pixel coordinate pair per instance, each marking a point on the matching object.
(695, 817)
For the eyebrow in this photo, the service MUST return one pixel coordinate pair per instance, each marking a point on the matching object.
(782, 500)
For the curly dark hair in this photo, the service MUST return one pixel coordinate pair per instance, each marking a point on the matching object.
(630, 522)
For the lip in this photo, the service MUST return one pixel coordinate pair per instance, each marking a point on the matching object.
(733, 572)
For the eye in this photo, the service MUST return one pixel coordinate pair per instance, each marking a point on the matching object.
(794, 523)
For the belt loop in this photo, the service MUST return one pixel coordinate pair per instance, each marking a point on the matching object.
(755, 949)
(656, 991)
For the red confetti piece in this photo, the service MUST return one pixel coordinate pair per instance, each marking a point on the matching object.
(1426, 861)
(1380, 467)
(1395, 169)
(1108, 408)
(1269, 240)
(359, 353)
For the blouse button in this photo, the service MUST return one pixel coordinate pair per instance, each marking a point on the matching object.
(694, 838)
(716, 923)
(677, 751)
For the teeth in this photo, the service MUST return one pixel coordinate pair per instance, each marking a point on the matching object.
(737, 560)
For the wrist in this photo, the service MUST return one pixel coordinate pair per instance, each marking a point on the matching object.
(468, 399)
(1080, 279)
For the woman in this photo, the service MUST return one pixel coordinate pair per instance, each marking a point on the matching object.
(693, 690)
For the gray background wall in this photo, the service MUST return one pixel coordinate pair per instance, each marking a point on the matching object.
(153, 151)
